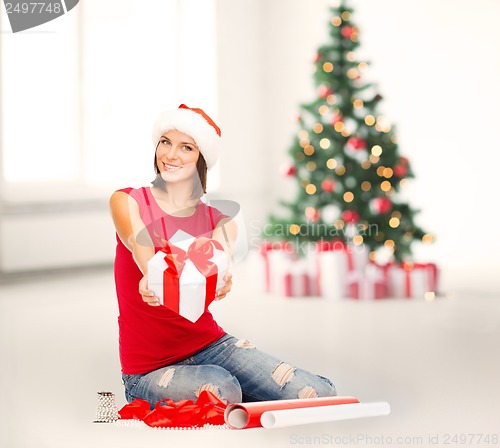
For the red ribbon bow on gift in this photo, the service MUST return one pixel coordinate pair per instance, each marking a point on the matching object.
(208, 409)
(199, 253)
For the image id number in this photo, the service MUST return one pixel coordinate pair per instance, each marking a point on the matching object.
(33, 8)
(470, 439)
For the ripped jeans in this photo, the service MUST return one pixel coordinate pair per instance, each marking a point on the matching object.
(232, 369)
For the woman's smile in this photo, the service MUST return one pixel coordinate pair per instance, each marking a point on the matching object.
(171, 168)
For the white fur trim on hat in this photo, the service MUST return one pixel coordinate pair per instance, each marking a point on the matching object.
(194, 125)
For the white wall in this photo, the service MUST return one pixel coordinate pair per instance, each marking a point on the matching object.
(437, 66)
(240, 83)
(54, 240)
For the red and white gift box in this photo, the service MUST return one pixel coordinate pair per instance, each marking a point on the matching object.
(286, 273)
(186, 275)
(412, 279)
(334, 261)
(275, 254)
(295, 279)
(368, 285)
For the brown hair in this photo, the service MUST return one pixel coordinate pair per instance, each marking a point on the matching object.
(199, 188)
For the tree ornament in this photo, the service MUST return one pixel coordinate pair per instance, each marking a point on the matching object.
(324, 91)
(400, 170)
(350, 181)
(350, 216)
(289, 170)
(381, 205)
(312, 214)
(328, 185)
(347, 31)
(317, 57)
(356, 148)
(356, 143)
(330, 213)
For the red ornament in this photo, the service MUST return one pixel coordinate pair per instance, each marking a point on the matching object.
(312, 214)
(289, 170)
(381, 205)
(317, 57)
(328, 185)
(324, 91)
(346, 31)
(356, 143)
(400, 170)
(403, 161)
(350, 216)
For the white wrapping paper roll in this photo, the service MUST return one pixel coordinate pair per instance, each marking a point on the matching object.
(291, 417)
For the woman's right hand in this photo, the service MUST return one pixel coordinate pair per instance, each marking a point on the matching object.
(147, 295)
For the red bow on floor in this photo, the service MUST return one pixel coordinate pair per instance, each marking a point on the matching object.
(167, 413)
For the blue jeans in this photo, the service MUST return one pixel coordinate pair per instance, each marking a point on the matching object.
(234, 370)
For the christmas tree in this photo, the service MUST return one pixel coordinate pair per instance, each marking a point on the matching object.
(346, 160)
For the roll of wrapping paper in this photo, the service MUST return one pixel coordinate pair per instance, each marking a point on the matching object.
(247, 415)
(321, 414)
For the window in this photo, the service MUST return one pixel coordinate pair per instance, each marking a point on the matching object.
(79, 94)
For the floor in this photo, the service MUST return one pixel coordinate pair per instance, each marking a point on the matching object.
(436, 363)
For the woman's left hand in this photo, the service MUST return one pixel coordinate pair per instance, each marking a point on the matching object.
(226, 288)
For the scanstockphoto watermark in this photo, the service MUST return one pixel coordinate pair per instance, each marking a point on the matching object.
(307, 236)
(363, 439)
(356, 439)
(24, 15)
(317, 230)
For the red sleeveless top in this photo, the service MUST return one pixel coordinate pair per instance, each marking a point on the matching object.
(152, 337)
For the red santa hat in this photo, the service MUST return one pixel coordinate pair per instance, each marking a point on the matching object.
(195, 123)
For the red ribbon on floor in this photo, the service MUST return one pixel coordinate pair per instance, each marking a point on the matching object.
(136, 410)
(167, 413)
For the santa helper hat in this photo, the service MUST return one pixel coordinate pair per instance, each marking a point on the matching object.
(195, 123)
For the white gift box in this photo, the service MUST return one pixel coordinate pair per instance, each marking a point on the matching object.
(334, 262)
(190, 300)
(331, 272)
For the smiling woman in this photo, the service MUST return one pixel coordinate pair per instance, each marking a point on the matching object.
(170, 344)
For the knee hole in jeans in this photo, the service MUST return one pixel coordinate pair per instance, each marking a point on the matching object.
(223, 385)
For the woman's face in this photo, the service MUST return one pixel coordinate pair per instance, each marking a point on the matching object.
(176, 156)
